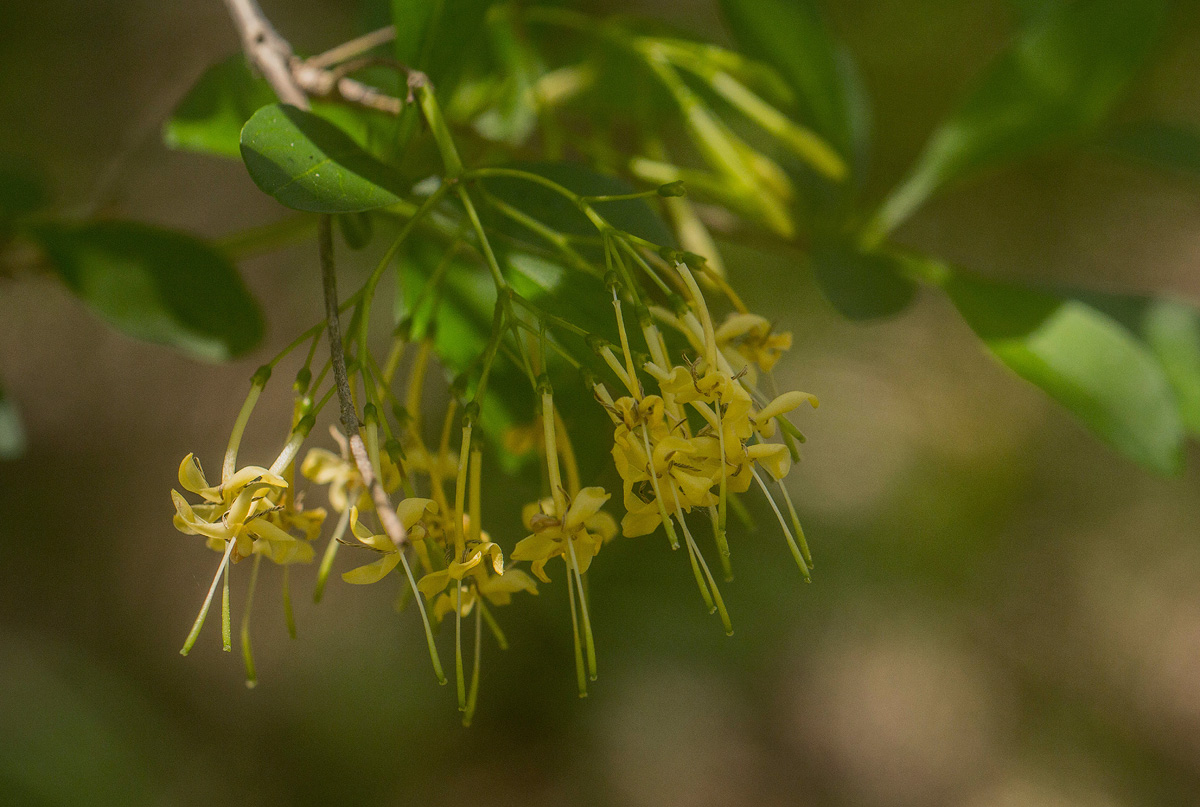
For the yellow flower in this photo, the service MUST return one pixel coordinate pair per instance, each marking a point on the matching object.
(240, 511)
(436, 582)
(497, 588)
(324, 467)
(752, 338)
(585, 526)
(412, 512)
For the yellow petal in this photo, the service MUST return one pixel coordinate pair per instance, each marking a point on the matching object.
(603, 525)
(772, 456)
(511, 581)
(587, 503)
(433, 583)
(785, 403)
(738, 325)
(191, 476)
(412, 510)
(373, 572)
(539, 546)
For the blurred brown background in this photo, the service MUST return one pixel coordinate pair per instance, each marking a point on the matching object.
(1004, 612)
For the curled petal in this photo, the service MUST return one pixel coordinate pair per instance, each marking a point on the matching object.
(772, 456)
(412, 510)
(510, 582)
(786, 403)
(373, 572)
(191, 476)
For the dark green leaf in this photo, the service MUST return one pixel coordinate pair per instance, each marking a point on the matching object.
(438, 37)
(793, 37)
(861, 285)
(1059, 79)
(1082, 358)
(12, 433)
(157, 285)
(1173, 146)
(356, 229)
(309, 164)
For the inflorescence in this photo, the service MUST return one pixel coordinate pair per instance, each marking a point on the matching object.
(693, 430)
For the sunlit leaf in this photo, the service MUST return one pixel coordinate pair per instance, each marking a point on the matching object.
(861, 285)
(309, 164)
(1082, 358)
(157, 285)
(1059, 79)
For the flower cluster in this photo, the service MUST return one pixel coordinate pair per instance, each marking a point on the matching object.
(692, 431)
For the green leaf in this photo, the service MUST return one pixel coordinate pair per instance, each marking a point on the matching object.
(309, 164)
(1082, 358)
(210, 117)
(792, 36)
(157, 285)
(861, 285)
(12, 433)
(1059, 79)
(1172, 146)
(438, 37)
(1172, 329)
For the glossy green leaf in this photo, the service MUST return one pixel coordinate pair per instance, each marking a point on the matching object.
(792, 36)
(1085, 360)
(157, 285)
(309, 164)
(1171, 146)
(1059, 79)
(861, 285)
(12, 433)
(210, 117)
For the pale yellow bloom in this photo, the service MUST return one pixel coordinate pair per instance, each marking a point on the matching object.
(586, 526)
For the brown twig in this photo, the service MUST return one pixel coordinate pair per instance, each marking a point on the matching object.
(358, 449)
(294, 80)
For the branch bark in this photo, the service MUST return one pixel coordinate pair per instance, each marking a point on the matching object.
(294, 80)
(358, 449)
(288, 76)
